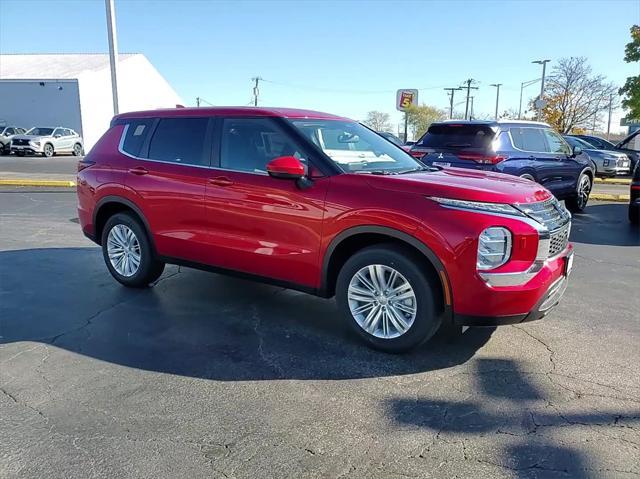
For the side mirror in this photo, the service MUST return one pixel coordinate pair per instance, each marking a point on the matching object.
(576, 151)
(57, 136)
(286, 167)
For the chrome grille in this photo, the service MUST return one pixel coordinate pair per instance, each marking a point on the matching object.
(19, 141)
(549, 213)
(559, 240)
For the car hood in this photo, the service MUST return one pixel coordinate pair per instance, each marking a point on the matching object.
(594, 152)
(463, 184)
(29, 137)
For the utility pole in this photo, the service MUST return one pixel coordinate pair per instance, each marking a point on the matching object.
(256, 90)
(497, 85)
(469, 88)
(452, 90)
(198, 101)
(541, 98)
(113, 51)
(471, 112)
(609, 120)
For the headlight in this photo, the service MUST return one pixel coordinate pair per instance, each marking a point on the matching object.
(494, 248)
(478, 206)
(35, 143)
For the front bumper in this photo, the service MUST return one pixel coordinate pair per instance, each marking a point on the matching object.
(27, 149)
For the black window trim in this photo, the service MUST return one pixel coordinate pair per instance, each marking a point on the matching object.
(144, 149)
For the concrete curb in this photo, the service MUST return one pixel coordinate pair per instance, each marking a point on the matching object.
(608, 197)
(613, 181)
(29, 182)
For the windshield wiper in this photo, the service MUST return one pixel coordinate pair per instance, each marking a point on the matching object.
(420, 168)
(376, 172)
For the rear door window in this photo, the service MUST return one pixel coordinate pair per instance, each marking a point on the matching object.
(454, 136)
(180, 140)
(137, 131)
(529, 139)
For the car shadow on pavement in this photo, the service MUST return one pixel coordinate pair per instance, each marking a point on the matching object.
(605, 224)
(193, 323)
(519, 417)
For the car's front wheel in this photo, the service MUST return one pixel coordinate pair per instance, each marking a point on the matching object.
(77, 149)
(127, 251)
(387, 299)
(47, 150)
(577, 203)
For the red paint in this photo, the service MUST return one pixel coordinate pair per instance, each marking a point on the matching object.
(272, 227)
(286, 166)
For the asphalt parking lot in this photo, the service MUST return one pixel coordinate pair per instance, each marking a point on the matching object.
(208, 376)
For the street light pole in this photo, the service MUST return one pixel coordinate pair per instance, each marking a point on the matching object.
(544, 69)
(113, 51)
(497, 85)
(522, 87)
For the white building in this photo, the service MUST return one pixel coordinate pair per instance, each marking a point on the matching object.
(74, 90)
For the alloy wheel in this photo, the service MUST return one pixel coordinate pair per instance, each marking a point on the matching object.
(48, 150)
(123, 249)
(382, 301)
(584, 190)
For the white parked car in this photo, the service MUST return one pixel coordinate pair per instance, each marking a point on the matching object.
(47, 142)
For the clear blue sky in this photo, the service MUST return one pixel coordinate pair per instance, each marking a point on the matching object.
(345, 57)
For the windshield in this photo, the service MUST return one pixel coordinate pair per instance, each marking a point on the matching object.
(355, 148)
(40, 131)
(573, 141)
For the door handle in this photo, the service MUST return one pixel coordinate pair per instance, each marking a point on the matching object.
(138, 170)
(220, 181)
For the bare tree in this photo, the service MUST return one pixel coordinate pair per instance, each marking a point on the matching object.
(378, 121)
(574, 95)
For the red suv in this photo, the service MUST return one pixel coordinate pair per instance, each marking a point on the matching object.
(322, 204)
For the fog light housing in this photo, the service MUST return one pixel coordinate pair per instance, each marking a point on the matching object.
(494, 248)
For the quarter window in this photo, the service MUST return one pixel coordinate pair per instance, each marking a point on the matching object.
(137, 132)
(248, 144)
(180, 140)
(529, 139)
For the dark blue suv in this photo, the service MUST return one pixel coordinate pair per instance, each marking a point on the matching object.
(527, 149)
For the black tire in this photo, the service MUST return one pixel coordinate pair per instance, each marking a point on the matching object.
(20, 153)
(149, 269)
(4, 150)
(77, 149)
(48, 150)
(634, 214)
(577, 203)
(427, 320)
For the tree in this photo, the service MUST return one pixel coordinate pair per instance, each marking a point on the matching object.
(631, 88)
(378, 121)
(420, 117)
(574, 95)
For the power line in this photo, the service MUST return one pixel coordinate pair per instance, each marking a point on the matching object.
(332, 90)
(200, 100)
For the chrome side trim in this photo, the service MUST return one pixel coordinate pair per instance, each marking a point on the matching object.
(512, 279)
(554, 294)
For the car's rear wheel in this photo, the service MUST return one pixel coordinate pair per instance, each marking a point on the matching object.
(634, 214)
(387, 299)
(4, 150)
(127, 252)
(527, 176)
(47, 150)
(578, 203)
(77, 149)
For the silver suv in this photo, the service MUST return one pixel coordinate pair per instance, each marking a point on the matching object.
(47, 142)
(6, 134)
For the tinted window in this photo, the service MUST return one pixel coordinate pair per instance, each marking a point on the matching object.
(248, 144)
(573, 141)
(179, 140)
(457, 136)
(9, 131)
(40, 131)
(58, 132)
(556, 143)
(528, 139)
(137, 132)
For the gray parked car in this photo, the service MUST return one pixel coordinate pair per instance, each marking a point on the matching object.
(608, 162)
(47, 142)
(6, 134)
